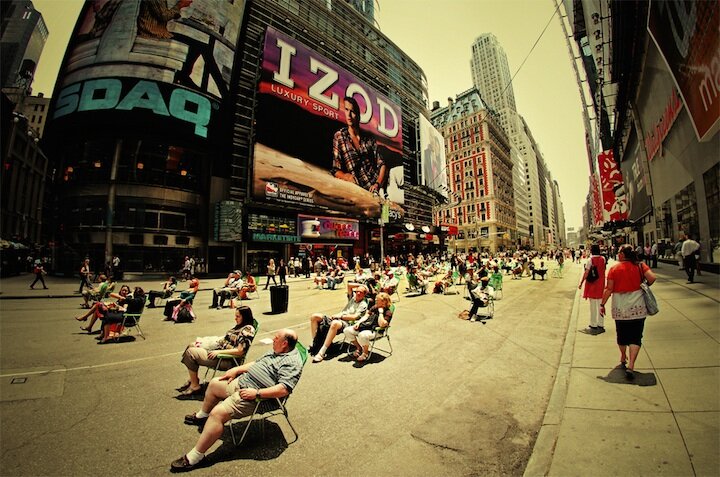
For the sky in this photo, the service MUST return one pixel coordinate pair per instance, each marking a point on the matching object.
(437, 35)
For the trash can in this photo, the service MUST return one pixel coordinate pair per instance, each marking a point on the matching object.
(279, 298)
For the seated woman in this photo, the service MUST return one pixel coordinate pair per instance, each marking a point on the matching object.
(186, 298)
(363, 331)
(204, 351)
(541, 271)
(444, 282)
(249, 286)
(479, 297)
(167, 290)
(112, 321)
(100, 309)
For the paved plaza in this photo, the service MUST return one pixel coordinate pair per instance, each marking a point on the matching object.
(527, 392)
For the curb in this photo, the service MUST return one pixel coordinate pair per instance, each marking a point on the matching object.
(544, 448)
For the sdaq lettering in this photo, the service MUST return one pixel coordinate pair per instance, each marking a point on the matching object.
(106, 93)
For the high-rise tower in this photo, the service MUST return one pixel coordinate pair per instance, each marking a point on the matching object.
(22, 38)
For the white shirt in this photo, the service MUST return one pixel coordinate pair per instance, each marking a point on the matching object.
(689, 247)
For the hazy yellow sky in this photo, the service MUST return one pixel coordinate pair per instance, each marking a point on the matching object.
(438, 34)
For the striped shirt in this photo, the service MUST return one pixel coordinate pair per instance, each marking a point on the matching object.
(273, 369)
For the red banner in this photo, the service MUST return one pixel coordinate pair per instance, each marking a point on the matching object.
(614, 200)
(686, 33)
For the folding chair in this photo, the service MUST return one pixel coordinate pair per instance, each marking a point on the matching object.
(496, 281)
(237, 360)
(130, 321)
(265, 408)
(382, 333)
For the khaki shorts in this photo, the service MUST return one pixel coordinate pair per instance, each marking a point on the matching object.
(234, 405)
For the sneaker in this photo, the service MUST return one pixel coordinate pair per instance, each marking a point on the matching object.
(183, 465)
(318, 357)
(473, 319)
(629, 374)
(600, 329)
(593, 330)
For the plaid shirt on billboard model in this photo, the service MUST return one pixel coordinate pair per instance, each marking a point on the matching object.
(364, 163)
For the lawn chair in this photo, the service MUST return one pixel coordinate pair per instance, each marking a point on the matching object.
(130, 321)
(414, 285)
(496, 282)
(236, 360)
(265, 408)
(380, 334)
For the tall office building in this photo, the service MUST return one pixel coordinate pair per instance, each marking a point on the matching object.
(491, 76)
(22, 37)
(534, 200)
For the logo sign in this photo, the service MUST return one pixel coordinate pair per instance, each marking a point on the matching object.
(312, 227)
(688, 37)
(303, 134)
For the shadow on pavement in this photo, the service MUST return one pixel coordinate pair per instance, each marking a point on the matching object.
(617, 376)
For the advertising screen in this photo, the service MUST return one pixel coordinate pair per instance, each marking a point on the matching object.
(324, 139)
(156, 65)
(432, 157)
(612, 188)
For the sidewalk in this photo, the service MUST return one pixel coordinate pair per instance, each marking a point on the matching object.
(666, 422)
(18, 287)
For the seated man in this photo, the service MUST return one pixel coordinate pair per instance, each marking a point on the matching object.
(168, 289)
(541, 271)
(232, 283)
(335, 277)
(232, 396)
(98, 293)
(389, 284)
(320, 324)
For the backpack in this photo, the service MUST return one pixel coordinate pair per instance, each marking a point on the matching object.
(592, 275)
(184, 315)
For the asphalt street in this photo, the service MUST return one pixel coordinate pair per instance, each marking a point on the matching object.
(454, 398)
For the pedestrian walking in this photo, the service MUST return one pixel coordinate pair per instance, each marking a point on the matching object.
(689, 250)
(85, 275)
(270, 273)
(594, 280)
(40, 272)
(628, 305)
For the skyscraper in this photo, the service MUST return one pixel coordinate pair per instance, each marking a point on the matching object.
(22, 38)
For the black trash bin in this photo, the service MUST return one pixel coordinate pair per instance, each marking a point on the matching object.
(279, 298)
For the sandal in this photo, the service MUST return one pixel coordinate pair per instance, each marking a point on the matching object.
(191, 392)
(88, 329)
(356, 354)
(81, 319)
(363, 357)
(318, 357)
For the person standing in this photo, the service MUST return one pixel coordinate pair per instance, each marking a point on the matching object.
(298, 266)
(282, 270)
(628, 306)
(688, 250)
(270, 273)
(85, 275)
(654, 255)
(594, 288)
(39, 271)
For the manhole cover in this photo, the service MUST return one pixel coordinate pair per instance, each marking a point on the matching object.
(38, 383)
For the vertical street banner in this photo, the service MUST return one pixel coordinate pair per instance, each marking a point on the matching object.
(325, 140)
(612, 187)
(687, 33)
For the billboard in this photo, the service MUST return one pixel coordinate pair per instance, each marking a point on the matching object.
(432, 157)
(688, 37)
(324, 139)
(329, 228)
(160, 63)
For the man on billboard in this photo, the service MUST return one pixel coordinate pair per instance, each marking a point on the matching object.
(355, 155)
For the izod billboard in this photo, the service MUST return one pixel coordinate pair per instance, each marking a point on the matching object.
(151, 67)
(324, 139)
